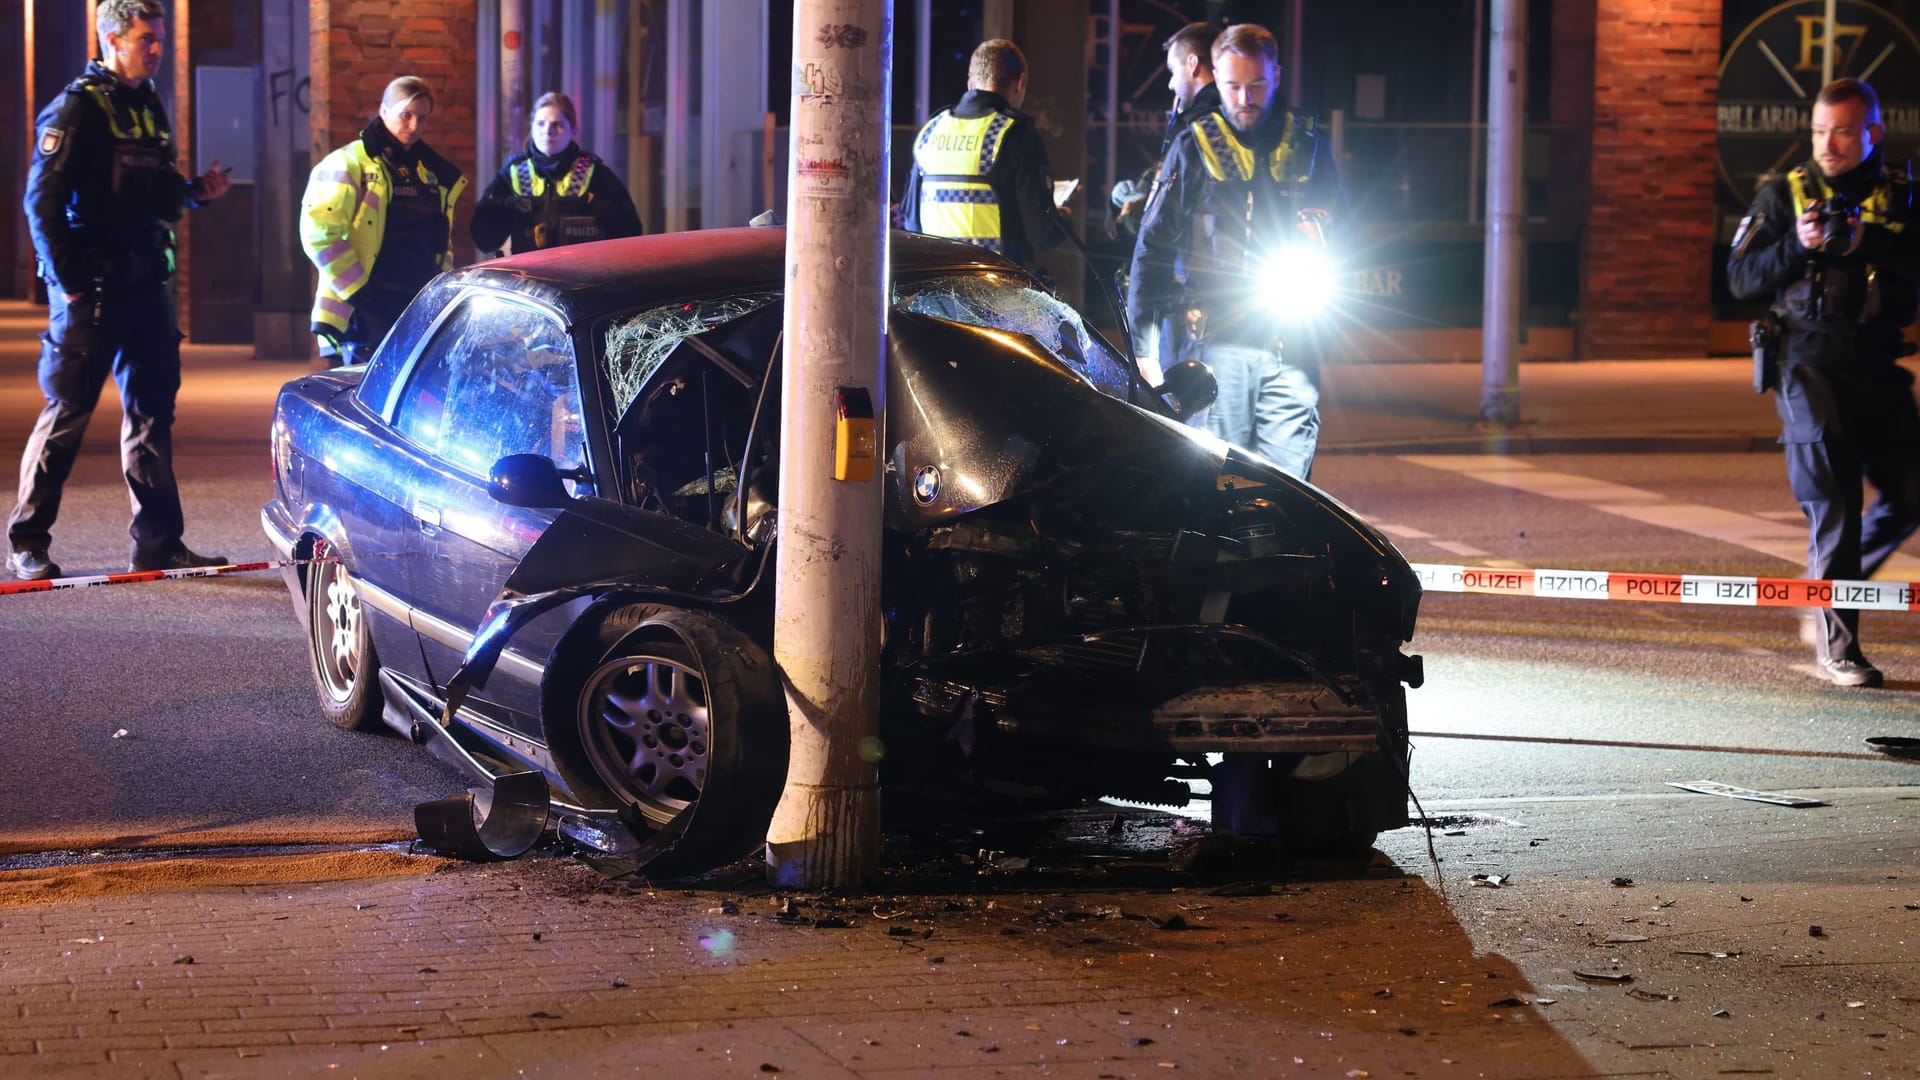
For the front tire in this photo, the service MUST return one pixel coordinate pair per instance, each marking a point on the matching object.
(339, 647)
(667, 702)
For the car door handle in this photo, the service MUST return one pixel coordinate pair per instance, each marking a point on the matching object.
(428, 517)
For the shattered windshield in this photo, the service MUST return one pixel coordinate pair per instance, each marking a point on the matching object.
(638, 344)
(998, 302)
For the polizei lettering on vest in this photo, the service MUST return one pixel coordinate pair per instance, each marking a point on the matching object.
(950, 141)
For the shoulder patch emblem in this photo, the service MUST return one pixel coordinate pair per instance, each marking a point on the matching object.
(51, 140)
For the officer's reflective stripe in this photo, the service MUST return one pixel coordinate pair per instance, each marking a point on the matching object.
(338, 308)
(349, 277)
(1223, 155)
(1226, 158)
(529, 183)
(1809, 187)
(331, 176)
(375, 202)
(334, 250)
(145, 125)
(961, 195)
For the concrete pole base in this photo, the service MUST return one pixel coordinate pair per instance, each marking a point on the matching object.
(834, 842)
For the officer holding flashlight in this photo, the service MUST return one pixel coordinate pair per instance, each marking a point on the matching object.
(1231, 249)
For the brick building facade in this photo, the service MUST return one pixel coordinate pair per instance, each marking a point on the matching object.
(1646, 262)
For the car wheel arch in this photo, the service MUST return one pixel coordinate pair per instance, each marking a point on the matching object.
(616, 621)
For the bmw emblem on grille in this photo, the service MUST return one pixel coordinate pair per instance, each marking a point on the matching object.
(926, 485)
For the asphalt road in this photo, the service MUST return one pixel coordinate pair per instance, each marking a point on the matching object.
(223, 742)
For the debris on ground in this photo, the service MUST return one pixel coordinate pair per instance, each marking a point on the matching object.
(1623, 883)
(1603, 976)
(1491, 881)
(1728, 791)
(121, 733)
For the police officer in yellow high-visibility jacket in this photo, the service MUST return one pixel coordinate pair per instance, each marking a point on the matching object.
(980, 171)
(377, 219)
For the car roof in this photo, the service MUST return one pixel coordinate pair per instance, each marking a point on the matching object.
(585, 280)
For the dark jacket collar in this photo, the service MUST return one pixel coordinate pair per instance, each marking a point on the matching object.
(1856, 183)
(1205, 100)
(98, 72)
(554, 165)
(380, 143)
(977, 103)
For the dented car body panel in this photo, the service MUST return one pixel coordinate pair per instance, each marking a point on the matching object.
(1081, 593)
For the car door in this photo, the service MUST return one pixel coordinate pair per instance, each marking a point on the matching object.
(498, 378)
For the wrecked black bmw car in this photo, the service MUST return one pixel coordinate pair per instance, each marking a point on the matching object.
(538, 531)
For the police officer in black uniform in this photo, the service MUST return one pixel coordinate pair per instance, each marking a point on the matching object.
(1834, 243)
(101, 196)
(555, 193)
(980, 171)
(1239, 188)
(1190, 77)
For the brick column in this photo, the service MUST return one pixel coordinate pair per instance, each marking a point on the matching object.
(361, 45)
(1646, 277)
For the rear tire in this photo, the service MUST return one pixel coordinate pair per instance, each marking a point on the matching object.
(339, 648)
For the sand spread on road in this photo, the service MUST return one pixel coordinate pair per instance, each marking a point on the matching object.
(54, 885)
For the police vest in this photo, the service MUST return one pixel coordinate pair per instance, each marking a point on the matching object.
(343, 219)
(552, 215)
(955, 155)
(1248, 207)
(142, 152)
(1809, 187)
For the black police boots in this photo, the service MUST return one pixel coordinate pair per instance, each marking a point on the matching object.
(170, 556)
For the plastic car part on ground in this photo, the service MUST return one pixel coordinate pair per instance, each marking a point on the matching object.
(507, 826)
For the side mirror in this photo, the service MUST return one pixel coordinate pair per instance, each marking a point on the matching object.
(1192, 385)
(528, 480)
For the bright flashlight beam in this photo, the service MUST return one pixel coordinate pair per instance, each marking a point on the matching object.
(1299, 283)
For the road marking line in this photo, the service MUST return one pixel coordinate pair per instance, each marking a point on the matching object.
(1750, 531)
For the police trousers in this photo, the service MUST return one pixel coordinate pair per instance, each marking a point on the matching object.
(1839, 428)
(1266, 405)
(127, 331)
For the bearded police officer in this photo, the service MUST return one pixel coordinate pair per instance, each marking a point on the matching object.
(980, 171)
(1240, 188)
(1835, 245)
(102, 194)
(555, 193)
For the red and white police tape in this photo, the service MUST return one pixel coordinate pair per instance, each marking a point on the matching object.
(1671, 588)
(136, 576)
(1718, 589)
